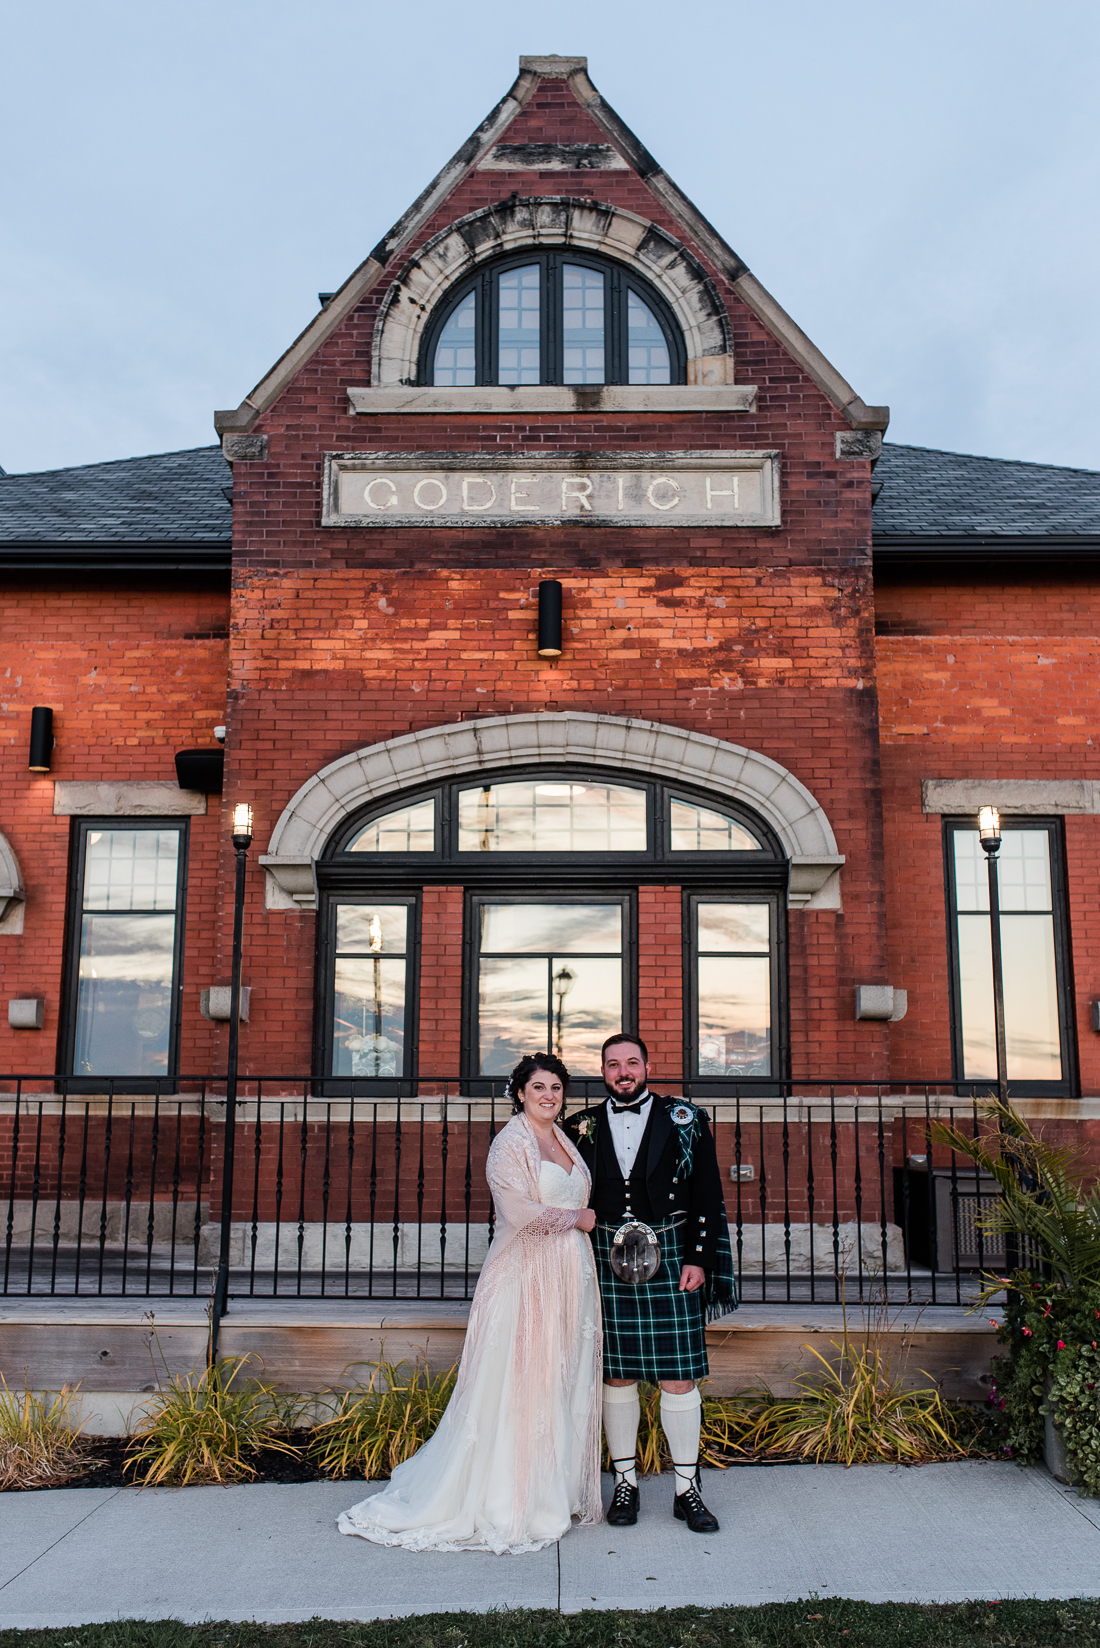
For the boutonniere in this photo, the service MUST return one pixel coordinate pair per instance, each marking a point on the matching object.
(586, 1127)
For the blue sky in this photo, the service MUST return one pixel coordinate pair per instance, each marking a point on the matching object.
(916, 183)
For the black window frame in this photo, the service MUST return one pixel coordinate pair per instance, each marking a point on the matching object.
(1069, 1086)
(619, 280)
(722, 893)
(722, 874)
(325, 995)
(474, 898)
(74, 913)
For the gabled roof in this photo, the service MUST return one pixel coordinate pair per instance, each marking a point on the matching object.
(170, 507)
(477, 149)
(955, 505)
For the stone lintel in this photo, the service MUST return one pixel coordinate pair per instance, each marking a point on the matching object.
(1010, 795)
(139, 798)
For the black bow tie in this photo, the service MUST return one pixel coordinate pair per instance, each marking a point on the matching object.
(635, 1107)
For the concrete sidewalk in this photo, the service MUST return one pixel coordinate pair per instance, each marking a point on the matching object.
(938, 1534)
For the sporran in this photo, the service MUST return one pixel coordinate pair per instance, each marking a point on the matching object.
(635, 1252)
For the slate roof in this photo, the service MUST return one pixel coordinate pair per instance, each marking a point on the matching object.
(169, 498)
(951, 494)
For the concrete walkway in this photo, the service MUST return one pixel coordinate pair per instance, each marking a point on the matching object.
(938, 1534)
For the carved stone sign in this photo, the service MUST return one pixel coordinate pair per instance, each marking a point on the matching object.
(463, 489)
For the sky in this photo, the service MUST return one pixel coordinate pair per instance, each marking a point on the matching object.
(916, 183)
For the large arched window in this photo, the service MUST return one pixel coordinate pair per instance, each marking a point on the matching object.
(555, 317)
(548, 868)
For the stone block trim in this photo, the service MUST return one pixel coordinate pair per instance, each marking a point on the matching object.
(11, 878)
(545, 220)
(140, 798)
(1042, 796)
(671, 753)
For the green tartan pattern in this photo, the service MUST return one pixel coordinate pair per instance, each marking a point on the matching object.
(652, 1330)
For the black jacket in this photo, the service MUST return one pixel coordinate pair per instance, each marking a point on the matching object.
(667, 1189)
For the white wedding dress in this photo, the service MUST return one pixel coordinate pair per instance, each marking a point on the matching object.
(516, 1454)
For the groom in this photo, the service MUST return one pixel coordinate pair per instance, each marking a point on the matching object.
(652, 1160)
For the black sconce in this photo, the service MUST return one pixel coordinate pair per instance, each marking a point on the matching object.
(41, 739)
(550, 618)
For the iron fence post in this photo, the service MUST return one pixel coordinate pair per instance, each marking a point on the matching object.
(242, 840)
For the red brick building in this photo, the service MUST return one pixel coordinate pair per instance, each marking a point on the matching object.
(736, 807)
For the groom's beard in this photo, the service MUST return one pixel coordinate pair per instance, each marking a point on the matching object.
(627, 1092)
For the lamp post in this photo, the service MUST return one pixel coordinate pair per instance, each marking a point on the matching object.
(989, 834)
(564, 981)
(374, 932)
(242, 840)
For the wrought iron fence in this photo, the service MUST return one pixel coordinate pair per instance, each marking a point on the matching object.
(379, 1191)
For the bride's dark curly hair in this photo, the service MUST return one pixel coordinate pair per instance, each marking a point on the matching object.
(526, 1068)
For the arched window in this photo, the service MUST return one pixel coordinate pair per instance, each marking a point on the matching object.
(548, 868)
(555, 317)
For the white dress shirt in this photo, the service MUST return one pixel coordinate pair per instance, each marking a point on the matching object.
(627, 1127)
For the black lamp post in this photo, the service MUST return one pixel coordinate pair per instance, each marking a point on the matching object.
(989, 834)
(564, 981)
(242, 840)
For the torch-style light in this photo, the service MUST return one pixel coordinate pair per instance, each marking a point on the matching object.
(989, 829)
(242, 826)
(41, 748)
(563, 981)
(550, 618)
(375, 933)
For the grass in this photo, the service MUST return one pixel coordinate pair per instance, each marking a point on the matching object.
(376, 1426)
(816, 1623)
(201, 1428)
(41, 1445)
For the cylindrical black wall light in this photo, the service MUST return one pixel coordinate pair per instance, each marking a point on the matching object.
(41, 739)
(550, 618)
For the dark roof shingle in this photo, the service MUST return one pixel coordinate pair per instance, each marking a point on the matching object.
(950, 494)
(171, 497)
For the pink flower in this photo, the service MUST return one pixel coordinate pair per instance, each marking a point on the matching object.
(1028, 1332)
(1061, 1344)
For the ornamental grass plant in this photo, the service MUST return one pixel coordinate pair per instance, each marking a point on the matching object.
(202, 1427)
(375, 1427)
(41, 1443)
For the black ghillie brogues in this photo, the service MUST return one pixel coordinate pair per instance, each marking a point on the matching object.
(688, 1507)
(623, 1510)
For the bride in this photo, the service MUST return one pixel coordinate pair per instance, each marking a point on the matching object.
(517, 1453)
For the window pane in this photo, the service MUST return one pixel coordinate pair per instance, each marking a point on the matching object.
(582, 325)
(552, 818)
(647, 352)
(379, 928)
(734, 1029)
(456, 352)
(131, 869)
(1032, 1040)
(1023, 871)
(519, 358)
(369, 1017)
(699, 830)
(561, 999)
(734, 927)
(124, 994)
(566, 928)
(408, 830)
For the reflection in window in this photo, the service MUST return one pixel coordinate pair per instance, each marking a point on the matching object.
(127, 952)
(519, 353)
(1033, 1041)
(550, 976)
(582, 323)
(552, 818)
(369, 1006)
(733, 959)
(695, 829)
(456, 351)
(647, 350)
(408, 830)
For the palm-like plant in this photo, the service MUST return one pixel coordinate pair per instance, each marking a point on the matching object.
(1043, 1196)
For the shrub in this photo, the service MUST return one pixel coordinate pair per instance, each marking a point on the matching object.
(1051, 1323)
(200, 1428)
(377, 1426)
(41, 1445)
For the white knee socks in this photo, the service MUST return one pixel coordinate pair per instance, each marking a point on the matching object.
(621, 1413)
(680, 1420)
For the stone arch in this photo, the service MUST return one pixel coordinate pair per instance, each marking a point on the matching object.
(554, 220)
(573, 738)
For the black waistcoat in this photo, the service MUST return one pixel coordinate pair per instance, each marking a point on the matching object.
(608, 1191)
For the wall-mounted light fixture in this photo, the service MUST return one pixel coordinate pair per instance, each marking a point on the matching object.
(550, 618)
(41, 739)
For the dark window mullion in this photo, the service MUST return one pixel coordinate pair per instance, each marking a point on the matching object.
(550, 279)
(488, 329)
(614, 318)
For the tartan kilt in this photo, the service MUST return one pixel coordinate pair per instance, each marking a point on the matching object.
(651, 1330)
